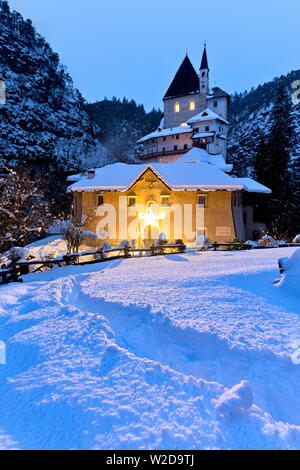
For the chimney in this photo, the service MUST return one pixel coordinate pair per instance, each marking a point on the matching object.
(91, 174)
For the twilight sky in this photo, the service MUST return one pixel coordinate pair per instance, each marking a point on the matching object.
(133, 48)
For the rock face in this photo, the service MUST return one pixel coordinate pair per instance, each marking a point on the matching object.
(249, 116)
(43, 120)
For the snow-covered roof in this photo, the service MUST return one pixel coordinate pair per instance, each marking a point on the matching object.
(202, 134)
(164, 132)
(74, 177)
(252, 186)
(177, 176)
(206, 115)
(200, 155)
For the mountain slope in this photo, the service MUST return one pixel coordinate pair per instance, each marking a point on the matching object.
(43, 120)
(122, 123)
(249, 117)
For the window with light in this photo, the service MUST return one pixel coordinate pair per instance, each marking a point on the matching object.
(177, 108)
(131, 201)
(192, 105)
(165, 201)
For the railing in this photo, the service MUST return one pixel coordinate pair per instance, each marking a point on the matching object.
(163, 154)
(13, 273)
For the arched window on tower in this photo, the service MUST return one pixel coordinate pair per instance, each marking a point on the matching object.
(192, 105)
(177, 108)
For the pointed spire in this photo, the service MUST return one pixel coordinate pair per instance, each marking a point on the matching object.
(186, 80)
(204, 62)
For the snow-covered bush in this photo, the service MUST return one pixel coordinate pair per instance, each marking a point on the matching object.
(290, 272)
(202, 242)
(124, 244)
(162, 239)
(105, 246)
(297, 239)
(251, 243)
(57, 227)
(267, 240)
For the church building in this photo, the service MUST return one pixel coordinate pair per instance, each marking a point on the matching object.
(183, 186)
(194, 116)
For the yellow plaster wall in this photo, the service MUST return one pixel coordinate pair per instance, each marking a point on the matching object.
(218, 218)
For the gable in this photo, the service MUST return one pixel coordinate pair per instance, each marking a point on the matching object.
(148, 177)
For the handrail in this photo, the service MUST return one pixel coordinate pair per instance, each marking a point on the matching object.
(13, 273)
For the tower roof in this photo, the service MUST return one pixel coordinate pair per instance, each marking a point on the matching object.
(204, 62)
(186, 81)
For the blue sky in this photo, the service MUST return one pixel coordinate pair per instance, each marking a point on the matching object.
(133, 48)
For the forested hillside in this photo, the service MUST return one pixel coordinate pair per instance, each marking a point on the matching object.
(43, 121)
(249, 117)
(122, 123)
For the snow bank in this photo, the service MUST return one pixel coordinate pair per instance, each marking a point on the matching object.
(176, 352)
(48, 247)
(291, 272)
(234, 401)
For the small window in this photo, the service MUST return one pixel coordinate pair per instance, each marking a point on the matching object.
(215, 104)
(192, 105)
(177, 108)
(203, 74)
(131, 201)
(164, 138)
(100, 200)
(196, 129)
(164, 150)
(165, 201)
(185, 146)
(177, 136)
(175, 147)
(202, 201)
(206, 128)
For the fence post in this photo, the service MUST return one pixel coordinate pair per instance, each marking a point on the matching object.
(126, 252)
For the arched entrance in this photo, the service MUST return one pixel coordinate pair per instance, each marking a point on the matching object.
(151, 233)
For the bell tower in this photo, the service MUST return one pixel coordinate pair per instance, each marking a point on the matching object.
(204, 74)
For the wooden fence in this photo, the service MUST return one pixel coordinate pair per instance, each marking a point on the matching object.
(13, 272)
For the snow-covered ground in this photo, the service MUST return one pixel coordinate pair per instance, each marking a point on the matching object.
(192, 351)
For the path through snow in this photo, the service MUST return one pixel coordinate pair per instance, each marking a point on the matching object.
(146, 353)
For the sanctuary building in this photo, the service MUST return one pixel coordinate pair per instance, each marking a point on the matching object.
(182, 186)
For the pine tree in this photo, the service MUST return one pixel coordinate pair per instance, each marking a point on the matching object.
(272, 168)
(24, 212)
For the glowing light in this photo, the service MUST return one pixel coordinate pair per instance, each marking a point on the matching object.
(150, 218)
(177, 108)
(192, 105)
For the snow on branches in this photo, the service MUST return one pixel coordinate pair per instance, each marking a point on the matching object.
(24, 212)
